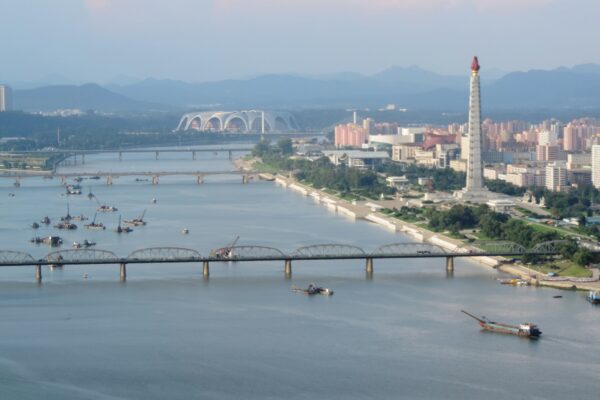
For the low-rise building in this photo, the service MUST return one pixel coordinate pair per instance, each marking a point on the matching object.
(356, 158)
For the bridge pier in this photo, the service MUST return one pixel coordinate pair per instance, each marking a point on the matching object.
(109, 180)
(123, 272)
(120, 156)
(288, 269)
(83, 159)
(205, 270)
(245, 178)
(17, 181)
(194, 155)
(156, 155)
(230, 155)
(450, 264)
(369, 266)
(155, 180)
(200, 179)
(38, 273)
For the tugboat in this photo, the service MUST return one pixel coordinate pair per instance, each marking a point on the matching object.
(136, 221)
(97, 226)
(313, 289)
(525, 329)
(46, 221)
(593, 296)
(124, 229)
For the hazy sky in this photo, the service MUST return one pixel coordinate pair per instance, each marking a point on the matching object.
(200, 40)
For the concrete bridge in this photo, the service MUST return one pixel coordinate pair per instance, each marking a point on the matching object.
(319, 252)
(155, 176)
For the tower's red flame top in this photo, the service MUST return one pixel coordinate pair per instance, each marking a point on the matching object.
(475, 64)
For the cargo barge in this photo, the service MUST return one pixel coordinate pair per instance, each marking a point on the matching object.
(525, 329)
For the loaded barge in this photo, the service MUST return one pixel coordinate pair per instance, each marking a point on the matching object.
(525, 329)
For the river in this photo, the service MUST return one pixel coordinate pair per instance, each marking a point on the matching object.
(168, 334)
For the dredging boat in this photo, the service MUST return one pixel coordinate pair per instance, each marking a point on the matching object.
(65, 225)
(122, 229)
(313, 289)
(593, 296)
(139, 221)
(525, 329)
(225, 252)
(96, 226)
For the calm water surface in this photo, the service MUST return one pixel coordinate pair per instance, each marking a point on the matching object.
(168, 334)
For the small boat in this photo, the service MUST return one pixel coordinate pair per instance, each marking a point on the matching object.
(11, 195)
(525, 329)
(154, 201)
(185, 231)
(139, 221)
(90, 195)
(80, 217)
(105, 208)
(557, 297)
(36, 240)
(35, 225)
(593, 296)
(96, 226)
(46, 221)
(73, 190)
(65, 225)
(94, 177)
(123, 229)
(53, 241)
(85, 276)
(313, 289)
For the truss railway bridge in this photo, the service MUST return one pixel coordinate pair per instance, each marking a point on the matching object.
(319, 252)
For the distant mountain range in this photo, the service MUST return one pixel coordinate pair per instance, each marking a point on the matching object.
(407, 87)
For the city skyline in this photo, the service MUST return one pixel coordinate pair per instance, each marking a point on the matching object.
(104, 40)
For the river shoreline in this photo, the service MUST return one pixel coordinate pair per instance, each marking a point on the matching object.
(370, 211)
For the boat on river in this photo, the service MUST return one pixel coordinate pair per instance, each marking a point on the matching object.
(525, 329)
(96, 226)
(123, 229)
(593, 296)
(65, 225)
(139, 221)
(313, 289)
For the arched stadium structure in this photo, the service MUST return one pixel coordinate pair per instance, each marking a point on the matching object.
(237, 121)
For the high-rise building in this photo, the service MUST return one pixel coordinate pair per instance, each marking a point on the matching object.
(556, 176)
(474, 191)
(350, 135)
(5, 98)
(596, 165)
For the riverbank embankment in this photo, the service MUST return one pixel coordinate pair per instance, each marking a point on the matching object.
(371, 211)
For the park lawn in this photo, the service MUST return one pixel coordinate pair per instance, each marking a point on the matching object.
(563, 268)
(266, 168)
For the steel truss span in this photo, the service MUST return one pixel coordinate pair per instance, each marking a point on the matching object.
(9, 256)
(157, 254)
(83, 256)
(408, 248)
(328, 250)
(255, 252)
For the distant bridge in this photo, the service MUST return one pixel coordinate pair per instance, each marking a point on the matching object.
(168, 255)
(247, 176)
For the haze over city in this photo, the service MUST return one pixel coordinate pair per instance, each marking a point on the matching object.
(78, 41)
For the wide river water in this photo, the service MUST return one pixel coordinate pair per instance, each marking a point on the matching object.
(168, 334)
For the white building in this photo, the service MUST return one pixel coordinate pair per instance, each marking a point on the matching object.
(596, 165)
(5, 98)
(356, 158)
(547, 138)
(556, 176)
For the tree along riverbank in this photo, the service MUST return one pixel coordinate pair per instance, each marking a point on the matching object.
(354, 185)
